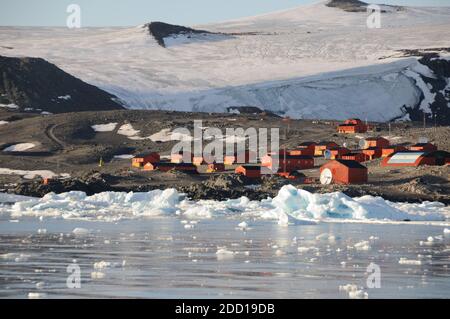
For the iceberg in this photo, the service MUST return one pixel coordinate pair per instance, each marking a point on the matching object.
(290, 206)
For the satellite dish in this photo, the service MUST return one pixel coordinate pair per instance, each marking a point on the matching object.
(362, 143)
(327, 154)
(345, 144)
(326, 177)
(423, 140)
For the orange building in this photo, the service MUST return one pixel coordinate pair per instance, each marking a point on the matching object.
(343, 172)
(379, 142)
(372, 153)
(141, 159)
(352, 126)
(216, 167)
(249, 171)
(181, 157)
(231, 159)
(386, 151)
(358, 157)
(287, 162)
(423, 147)
(337, 152)
(322, 146)
(408, 158)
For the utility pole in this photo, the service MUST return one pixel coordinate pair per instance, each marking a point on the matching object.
(424, 121)
(389, 129)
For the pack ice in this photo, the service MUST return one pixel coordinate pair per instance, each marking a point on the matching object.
(290, 205)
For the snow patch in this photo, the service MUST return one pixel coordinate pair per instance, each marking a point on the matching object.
(109, 127)
(21, 147)
(32, 174)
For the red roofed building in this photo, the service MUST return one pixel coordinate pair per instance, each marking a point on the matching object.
(358, 157)
(352, 126)
(249, 171)
(378, 142)
(322, 146)
(338, 152)
(141, 159)
(372, 153)
(343, 172)
(386, 151)
(231, 159)
(287, 162)
(181, 157)
(423, 147)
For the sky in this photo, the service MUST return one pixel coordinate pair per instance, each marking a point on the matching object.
(135, 12)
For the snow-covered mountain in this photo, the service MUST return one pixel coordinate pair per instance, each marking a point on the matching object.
(313, 61)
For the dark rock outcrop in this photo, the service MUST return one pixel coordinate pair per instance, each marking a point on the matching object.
(161, 30)
(440, 108)
(33, 83)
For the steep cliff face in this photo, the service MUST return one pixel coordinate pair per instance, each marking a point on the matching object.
(33, 83)
(434, 104)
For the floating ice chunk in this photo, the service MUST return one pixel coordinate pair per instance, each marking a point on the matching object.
(97, 275)
(446, 231)
(362, 245)
(36, 295)
(243, 226)
(80, 231)
(16, 257)
(223, 253)
(42, 231)
(102, 265)
(404, 261)
(354, 292)
(40, 285)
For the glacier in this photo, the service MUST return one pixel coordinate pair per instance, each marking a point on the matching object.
(308, 62)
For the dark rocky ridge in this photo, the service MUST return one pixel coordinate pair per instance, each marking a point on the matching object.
(161, 30)
(37, 84)
(440, 108)
(355, 6)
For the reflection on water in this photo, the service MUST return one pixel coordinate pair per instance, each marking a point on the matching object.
(163, 258)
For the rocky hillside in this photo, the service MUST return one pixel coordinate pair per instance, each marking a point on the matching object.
(161, 30)
(35, 84)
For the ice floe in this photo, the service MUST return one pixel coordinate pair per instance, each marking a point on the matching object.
(291, 205)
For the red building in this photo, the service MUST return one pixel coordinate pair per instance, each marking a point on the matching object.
(287, 162)
(338, 152)
(411, 158)
(198, 160)
(249, 171)
(302, 151)
(322, 146)
(216, 167)
(181, 157)
(141, 159)
(231, 159)
(358, 157)
(423, 147)
(379, 142)
(352, 126)
(343, 172)
(372, 153)
(386, 151)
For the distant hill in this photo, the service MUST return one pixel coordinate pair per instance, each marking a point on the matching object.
(161, 30)
(35, 84)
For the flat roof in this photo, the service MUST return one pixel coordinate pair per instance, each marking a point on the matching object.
(351, 164)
